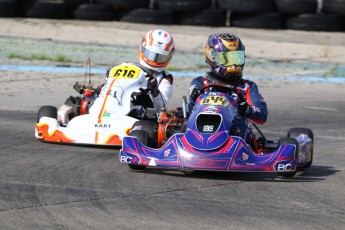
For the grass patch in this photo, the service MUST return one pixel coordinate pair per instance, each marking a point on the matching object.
(195, 67)
(174, 68)
(41, 57)
(201, 66)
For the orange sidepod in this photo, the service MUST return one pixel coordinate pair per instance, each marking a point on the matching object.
(56, 136)
(113, 140)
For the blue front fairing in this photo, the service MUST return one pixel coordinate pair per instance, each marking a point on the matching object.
(207, 144)
(234, 155)
(209, 124)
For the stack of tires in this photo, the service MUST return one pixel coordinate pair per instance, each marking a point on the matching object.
(289, 14)
(308, 15)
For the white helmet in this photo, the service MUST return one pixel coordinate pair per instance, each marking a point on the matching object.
(156, 50)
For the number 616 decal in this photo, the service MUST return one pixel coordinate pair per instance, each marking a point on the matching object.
(125, 71)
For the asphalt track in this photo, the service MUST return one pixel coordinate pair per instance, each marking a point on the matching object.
(51, 186)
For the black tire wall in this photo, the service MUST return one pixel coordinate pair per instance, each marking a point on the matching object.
(307, 15)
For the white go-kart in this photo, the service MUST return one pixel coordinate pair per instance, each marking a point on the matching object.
(102, 118)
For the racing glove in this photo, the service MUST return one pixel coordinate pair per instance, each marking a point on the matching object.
(195, 94)
(107, 73)
(152, 86)
(243, 108)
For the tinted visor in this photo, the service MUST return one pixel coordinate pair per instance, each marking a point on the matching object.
(155, 57)
(229, 58)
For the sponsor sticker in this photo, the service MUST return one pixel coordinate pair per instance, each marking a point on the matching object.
(208, 128)
(106, 115)
(167, 152)
(99, 125)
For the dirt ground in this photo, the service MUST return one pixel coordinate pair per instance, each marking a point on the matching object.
(260, 43)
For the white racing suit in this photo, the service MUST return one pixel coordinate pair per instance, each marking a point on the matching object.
(158, 102)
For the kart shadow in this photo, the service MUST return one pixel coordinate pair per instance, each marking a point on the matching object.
(313, 174)
(89, 146)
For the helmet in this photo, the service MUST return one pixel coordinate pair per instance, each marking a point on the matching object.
(156, 50)
(225, 56)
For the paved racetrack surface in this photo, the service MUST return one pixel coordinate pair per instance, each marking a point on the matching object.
(53, 186)
(61, 186)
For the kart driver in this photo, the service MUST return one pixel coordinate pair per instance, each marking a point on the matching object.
(155, 53)
(225, 56)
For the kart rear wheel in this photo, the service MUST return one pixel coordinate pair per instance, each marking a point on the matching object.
(283, 141)
(294, 132)
(143, 138)
(47, 111)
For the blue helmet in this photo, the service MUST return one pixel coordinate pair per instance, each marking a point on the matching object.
(225, 56)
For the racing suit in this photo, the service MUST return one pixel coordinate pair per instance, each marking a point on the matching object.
(256, 111)
(158, 98)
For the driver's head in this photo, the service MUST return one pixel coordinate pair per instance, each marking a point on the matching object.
(156, 50)
(225, 56)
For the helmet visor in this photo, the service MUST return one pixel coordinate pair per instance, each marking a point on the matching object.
(155, 57)
(229, 58)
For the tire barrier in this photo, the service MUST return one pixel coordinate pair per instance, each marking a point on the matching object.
(8, 8)
(315, 22)
(247, 6)
(149, 16)
(209, 17)
(183, 5)
(308, 15)
(263, 21)
(296, 6)
(126, 4)
(334, 6)
(94, 12)
(55, 9)
(23, 6)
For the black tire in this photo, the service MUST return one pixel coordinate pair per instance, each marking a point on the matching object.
(150, 127)
(296, 6)
(126, 4)
(23, 6)
(315, 22)
(288, 140)
(76, 2)
(149, 16)
(294, 132)
(94, 12)
(72, 5)
(183, 5)
(184, 127)
(143, 138)
(56, 9)
(249, 6)
(8, 8)
(263, 21)
(46, 111)
(210, 17)
(333, 6)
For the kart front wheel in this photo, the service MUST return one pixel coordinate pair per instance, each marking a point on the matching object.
(136, 167)
(47, 111)
(295, 132)
(143, 138)
(146, 132)
(284, 141)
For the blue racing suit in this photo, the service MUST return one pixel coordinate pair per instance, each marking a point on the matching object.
(257, 107)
